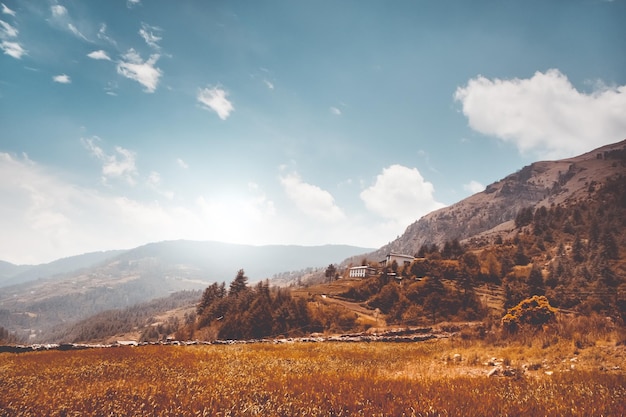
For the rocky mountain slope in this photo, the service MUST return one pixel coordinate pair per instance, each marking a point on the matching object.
(482, 217)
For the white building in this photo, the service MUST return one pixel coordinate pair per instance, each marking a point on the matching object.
(361, 271)
(401, 260)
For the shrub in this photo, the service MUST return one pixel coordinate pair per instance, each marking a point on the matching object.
(534, 311)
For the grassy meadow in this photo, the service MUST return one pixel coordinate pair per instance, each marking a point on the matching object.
(433, 378)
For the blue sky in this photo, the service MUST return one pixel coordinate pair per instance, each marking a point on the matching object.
(289, 122)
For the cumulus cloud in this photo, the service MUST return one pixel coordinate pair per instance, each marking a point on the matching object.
(119, 165)
(148, 33)
(144, 72)
(99, 54)
(214, 99)
(400, 194)
(132, 3)
(6, 10)
(473, 187)
(311, 199)
(62, 79)
(545, 114)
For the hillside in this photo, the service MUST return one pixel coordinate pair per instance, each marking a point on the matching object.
(554, 229)
(138, 275)
(491, 213)
(11, 274)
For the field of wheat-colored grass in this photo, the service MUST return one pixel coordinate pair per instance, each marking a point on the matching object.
(304, 379)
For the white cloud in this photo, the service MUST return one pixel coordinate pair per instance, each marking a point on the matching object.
(7, 31)
(76, 32)
(335, 111)
(58, 10)
(6, 10)
(49, 218)
(154, 179)
(148, 35)
(473, 187)
(145, 73)
(269, 84)
(154, 182)
(214, 98)
(8, 45)
(54, 219)
(400, 194)
(102, 34)
(120, 165)
(132, 3)
(311, 199)
(182, 163)
(62, 79)
(100, 54)
(545, 114)
(13, 49)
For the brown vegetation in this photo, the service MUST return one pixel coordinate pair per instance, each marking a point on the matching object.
(434, 378)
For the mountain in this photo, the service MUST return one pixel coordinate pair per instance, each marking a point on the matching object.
(138, 275)
(490, 214)
(11, 274)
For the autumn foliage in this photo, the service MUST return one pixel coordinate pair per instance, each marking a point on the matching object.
(534, 311)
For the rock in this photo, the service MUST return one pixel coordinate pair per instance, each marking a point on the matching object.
(531, 366)
(457, 357)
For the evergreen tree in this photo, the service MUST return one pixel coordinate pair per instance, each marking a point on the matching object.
(209, 296)
(578, 255)
(469, 273)
(446, 252)
(457, 248)
(524, 217)
(239, 284)
(608, 246)
(331, 271)
(535, 282)
(520, 255)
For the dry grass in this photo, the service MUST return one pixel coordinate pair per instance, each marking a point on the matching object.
(323, 379)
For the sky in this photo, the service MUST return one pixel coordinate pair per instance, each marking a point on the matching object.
(124, 122)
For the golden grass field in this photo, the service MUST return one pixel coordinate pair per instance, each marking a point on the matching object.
(433, 378)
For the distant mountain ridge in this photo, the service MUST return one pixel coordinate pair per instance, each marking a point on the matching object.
(11, 274)
(491, 213)
(120, 279)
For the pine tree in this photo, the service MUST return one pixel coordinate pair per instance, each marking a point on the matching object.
(239, 284)
(535, 282)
